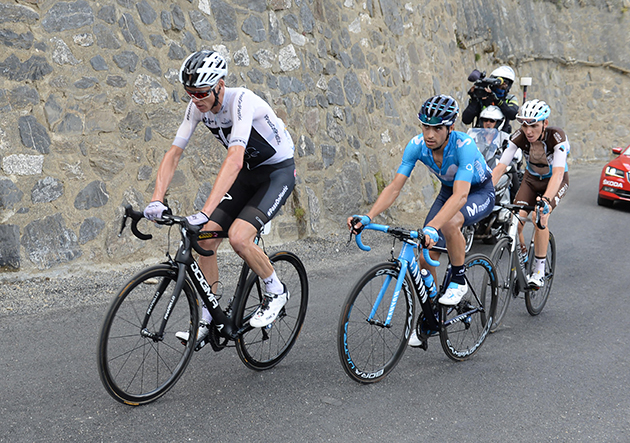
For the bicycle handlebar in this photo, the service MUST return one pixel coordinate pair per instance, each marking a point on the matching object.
(539, 204)
(399, 233)
(168, 219)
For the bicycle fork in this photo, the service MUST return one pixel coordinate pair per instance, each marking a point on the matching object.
(159, 336)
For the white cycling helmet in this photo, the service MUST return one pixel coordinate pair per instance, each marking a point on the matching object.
(203, 68)
(505, 72)
(492, 112)
(533, 111)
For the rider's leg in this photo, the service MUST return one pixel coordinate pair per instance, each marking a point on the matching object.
(455, 241)
(242, 235)
(209, 266)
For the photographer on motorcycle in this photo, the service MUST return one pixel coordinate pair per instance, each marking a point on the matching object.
(489, 91)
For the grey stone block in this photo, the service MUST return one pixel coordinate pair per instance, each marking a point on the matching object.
(90, 228)
(146, 12)
(98, 63)
(48, 242)
(33, 134)
(94, 195)
(9, 246)
(46, 190)
(66, 15)
(10, 195)
(130, 31)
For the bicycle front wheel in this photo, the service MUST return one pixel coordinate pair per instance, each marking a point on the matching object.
(369, 348)
(139, 357)
(535, 300)
(263, 348)
(464, 327)
(506, 273)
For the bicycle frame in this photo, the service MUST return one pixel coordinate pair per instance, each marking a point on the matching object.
(185, 265)
(409, 265)
(515, 264)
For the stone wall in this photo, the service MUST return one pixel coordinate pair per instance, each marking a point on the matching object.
(90, 101)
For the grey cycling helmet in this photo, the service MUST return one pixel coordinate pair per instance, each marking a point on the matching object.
(202, 69)
(439, 110)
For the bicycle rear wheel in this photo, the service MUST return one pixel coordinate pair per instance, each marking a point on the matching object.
(535, 300)
(464, 327)
(502, 259)
(137, 362)
(263, 348)
(368, 349)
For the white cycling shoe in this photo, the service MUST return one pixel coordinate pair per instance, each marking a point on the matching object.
(414, 340)
(269, 309)
(454, 294)
(203, 331)
(536, 279)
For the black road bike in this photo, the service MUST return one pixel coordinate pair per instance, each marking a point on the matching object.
(139, 357)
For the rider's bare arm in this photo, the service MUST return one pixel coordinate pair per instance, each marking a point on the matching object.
(226, 177)
(165, 172)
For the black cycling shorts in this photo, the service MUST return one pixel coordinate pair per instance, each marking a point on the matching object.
(256, 195)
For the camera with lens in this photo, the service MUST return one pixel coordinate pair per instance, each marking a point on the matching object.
(481, 82)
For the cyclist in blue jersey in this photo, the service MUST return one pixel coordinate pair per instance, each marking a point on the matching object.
(466, 195)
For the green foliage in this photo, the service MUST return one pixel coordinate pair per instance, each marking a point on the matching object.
(380, 182)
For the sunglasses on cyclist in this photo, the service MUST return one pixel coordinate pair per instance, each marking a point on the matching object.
(485, 120)
(526, 121)
(199, 95)
(431, 121)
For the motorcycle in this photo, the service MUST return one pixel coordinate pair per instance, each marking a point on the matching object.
(491, 143)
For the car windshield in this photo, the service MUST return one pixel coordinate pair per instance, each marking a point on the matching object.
(626, 151)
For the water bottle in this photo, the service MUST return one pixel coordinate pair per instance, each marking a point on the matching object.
(429, 282)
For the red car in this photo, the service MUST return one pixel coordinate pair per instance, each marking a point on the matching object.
(614, 183)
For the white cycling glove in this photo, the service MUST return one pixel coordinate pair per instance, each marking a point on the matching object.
(154, 210)
(198, 219)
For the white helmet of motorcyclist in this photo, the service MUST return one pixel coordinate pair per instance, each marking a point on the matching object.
(492, 113)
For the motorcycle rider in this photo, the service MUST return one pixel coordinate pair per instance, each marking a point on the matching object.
(547, 176)
(498, 96)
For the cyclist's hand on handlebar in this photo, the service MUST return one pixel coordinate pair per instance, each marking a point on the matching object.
(154, 210)
(356, 223)
(431, 236)
(544, 206)
(200, 218)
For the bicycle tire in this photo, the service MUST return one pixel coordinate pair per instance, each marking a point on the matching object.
(535, 300)
(369, 351)
(501, 257)
(263, 348)
(134, 367)
(464, 327)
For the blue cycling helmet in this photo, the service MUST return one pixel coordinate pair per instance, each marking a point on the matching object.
(439, 110)
(533, 111)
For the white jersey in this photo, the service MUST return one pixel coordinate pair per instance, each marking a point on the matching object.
(246, 120)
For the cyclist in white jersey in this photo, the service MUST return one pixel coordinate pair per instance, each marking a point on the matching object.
(254, 180)
(546, 179)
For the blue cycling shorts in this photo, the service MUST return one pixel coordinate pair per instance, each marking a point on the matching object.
(478, 206)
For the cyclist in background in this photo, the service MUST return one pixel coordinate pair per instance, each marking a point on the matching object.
(546, 178)
(466, 195)
(498, 96)
(254, 180)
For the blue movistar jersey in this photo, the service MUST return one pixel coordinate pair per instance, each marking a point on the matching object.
(461, 160)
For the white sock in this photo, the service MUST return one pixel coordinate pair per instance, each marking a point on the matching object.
(205, 314)
(273, 284)
(539, 264)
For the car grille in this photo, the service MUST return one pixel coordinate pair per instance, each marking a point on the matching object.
(622, 193)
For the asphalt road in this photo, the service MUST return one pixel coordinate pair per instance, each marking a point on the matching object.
(562, 375)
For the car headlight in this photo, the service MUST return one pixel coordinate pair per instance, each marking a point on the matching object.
(614, 172)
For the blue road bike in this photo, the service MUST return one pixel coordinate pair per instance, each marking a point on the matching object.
(377, 317)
